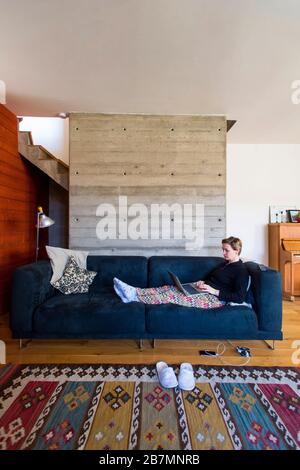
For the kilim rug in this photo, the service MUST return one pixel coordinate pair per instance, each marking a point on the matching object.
(117, 407)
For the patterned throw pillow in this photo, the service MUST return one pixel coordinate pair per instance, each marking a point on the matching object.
(75, 280)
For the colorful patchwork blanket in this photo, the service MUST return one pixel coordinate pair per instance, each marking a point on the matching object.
(172, 295)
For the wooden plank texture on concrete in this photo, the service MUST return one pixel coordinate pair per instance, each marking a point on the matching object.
(149, 159)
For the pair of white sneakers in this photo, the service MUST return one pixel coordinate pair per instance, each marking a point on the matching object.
(168, 379)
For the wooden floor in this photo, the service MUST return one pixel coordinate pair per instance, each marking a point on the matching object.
(171, 351)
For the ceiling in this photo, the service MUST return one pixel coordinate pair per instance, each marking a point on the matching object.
(233, 57)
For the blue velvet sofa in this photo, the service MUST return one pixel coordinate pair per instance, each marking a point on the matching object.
(40, 311)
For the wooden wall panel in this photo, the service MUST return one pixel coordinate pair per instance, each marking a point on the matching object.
(149, 159)
(22, 189)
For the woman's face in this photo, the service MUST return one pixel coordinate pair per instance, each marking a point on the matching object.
(229, 253)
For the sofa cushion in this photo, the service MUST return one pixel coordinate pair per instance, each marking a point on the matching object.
(186, 322)
(130, 269)
(96, 314)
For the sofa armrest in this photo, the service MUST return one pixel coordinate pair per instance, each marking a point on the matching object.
(30, 287)
(267, 293)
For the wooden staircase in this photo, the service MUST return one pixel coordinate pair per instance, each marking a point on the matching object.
(56, 169)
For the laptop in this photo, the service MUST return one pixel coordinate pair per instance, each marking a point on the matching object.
(187, 288)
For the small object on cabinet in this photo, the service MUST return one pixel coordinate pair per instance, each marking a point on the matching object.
(294, 215)
(279, 215)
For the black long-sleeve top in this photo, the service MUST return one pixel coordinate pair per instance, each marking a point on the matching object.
(231, 279)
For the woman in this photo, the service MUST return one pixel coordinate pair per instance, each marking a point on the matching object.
(227, 283)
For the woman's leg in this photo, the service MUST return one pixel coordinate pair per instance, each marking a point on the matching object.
(146, 295)
(156, 295)
(164, 295)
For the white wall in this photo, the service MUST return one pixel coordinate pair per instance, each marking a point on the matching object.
(52, 133)
(259, 176)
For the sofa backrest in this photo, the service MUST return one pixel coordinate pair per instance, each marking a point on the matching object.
(130, 269)
(187, 268)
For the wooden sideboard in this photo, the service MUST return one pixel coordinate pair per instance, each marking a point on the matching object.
(290, 275)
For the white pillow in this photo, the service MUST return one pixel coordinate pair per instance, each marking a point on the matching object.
(59, 257)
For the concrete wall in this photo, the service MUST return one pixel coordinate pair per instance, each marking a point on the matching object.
(150, 160)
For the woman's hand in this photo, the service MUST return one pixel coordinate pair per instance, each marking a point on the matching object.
(209, 289)
(199, 284)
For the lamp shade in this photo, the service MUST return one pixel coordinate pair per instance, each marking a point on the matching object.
(42, 221)
(45, 221)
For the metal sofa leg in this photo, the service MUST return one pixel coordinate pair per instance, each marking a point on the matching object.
(141, 344)
(153, 343)
(23, 343)
(270, 346)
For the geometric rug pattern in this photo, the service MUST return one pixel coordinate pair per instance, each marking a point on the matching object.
(120, 407)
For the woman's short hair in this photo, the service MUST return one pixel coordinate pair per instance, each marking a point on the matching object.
(235, 243)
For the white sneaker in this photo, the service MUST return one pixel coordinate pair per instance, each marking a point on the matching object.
(166, 375)
(186, 379)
